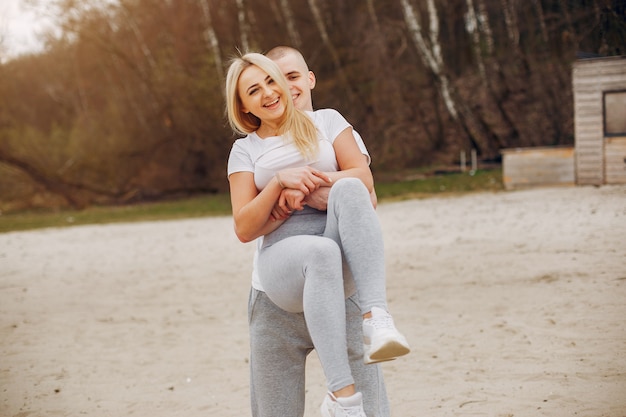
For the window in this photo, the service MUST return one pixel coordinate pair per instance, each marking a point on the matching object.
(615, 113)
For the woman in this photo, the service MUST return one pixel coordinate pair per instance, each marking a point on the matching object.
(286, 155)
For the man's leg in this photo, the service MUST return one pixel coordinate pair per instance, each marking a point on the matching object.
(279, 344)
(368, 378)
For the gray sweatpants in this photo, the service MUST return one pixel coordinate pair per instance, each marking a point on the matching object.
(279, 345)
(301, 269)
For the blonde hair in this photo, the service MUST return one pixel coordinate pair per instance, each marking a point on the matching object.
(295, 124)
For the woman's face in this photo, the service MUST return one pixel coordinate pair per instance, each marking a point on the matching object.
(261, 95)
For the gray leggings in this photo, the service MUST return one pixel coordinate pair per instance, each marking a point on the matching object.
(301, 270)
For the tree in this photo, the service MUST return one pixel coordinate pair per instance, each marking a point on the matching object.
(126, 102)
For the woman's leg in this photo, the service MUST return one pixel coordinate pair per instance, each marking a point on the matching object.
(352, 223)
(368, 379)
(304, 274)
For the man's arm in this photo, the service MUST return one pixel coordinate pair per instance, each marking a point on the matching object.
(318, 199)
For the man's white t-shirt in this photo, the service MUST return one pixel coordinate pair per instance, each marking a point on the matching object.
(265, 157)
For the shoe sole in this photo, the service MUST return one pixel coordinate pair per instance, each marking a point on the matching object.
(387, 352)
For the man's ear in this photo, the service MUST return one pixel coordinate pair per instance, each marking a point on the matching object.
(312, 80)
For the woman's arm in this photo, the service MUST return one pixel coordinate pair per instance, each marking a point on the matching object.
(252, 210)
(351, 162)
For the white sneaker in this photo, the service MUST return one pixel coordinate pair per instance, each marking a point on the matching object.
(381, 340)
(343, 407)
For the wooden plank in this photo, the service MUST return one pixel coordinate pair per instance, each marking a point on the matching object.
(589, 118)
(590, 84)
(587, 160)
(588, 114)
(598, 66)
(527, 167)
(590, 145)
(588, 129)
(591, 155)
(615, 160)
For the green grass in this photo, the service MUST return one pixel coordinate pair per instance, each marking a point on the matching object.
(398, 187)
(420, 185)
(200, 206)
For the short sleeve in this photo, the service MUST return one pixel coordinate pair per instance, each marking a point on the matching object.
(239, 159)
(331, 123)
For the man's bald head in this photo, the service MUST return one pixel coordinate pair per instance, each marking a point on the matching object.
(300, 79)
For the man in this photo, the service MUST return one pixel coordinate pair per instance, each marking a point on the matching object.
(301, 82)
(277, 383)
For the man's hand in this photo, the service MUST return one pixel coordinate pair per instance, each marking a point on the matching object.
(318, 199)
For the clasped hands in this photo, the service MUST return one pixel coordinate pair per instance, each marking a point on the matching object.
(302, 186)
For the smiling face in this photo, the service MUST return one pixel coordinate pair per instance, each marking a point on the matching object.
(300, 80)
(261, 95)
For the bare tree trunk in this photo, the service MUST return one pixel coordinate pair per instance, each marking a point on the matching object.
(244, 28)
(510, 18)
(542, 20)
(485, 26)
(140, 40)
(431, 56)
(140, 70)
(569, 36)
(84, 104)
(488, 82)
(509, 8)
(211, 38)
(118, 59)
(566, 14)
(294, 35)
(372, 12)
(430, 53)
(321, 27)
(472, 27)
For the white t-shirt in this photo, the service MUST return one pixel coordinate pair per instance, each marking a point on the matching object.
(265, 157)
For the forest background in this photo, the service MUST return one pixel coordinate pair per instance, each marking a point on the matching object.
(125, 103)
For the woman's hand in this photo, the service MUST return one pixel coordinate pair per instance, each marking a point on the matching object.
(291, 200)
(305, 179)
(288, 201)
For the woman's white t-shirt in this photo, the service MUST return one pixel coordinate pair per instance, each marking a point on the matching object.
(265, 157)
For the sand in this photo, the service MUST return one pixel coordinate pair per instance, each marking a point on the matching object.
(514, 304)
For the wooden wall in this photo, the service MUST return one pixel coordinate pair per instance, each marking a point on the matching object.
(531, 167)
(597, 157)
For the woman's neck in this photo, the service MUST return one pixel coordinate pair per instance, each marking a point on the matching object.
(267, 130)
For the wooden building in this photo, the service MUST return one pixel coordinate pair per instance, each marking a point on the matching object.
(599, 154)
(599, 87)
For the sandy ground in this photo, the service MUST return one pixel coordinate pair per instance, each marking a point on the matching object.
(514, 303)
